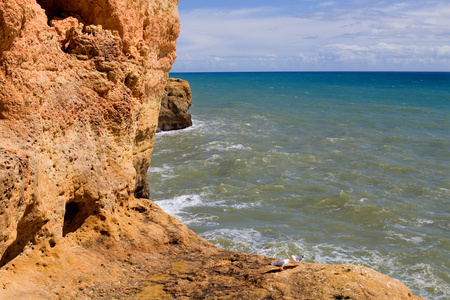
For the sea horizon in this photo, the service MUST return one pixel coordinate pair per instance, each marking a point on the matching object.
(349, 71)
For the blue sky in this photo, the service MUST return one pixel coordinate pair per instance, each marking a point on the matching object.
(309, 35)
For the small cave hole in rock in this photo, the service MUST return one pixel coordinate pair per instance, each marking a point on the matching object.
(52, 243)
(105, 233)
(58, 9)
(75, 216)
(340, 297)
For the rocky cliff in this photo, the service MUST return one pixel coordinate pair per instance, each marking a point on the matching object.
(80, 88)
(80, 92)
(174, 106)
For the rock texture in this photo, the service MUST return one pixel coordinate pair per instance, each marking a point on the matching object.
(81, 85)
(142, 253)
(80, 88)
(174, 106)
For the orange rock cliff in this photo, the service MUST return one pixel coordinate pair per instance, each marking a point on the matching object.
(80, 89)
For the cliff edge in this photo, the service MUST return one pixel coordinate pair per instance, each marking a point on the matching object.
(80, 89)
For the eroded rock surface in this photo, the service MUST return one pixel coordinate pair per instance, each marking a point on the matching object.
(81, 85)
(140, 252)
(174, 106)
(80, 88)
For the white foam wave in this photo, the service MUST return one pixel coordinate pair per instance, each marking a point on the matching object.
(196, 125)
(166, 171)
(236, 239)
(223, 146)
(255, 241)
(183, 207)
(175, 206)
(337, 140)
(205, 220)
(244, 205)
(423, 221)
(236, 234)
(214, 158)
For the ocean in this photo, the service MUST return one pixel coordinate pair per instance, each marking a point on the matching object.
(341, 167)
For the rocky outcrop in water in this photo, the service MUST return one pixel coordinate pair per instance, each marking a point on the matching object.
(174, 106)
(80, 90)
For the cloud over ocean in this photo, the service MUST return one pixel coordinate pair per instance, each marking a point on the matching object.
(314, 36)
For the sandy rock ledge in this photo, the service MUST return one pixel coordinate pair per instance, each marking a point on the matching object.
(140, 252)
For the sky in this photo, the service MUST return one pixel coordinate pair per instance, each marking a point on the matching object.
(310, 35)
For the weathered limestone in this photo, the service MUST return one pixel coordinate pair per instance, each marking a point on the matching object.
(142, 253)
(174, 106)
(80, 90)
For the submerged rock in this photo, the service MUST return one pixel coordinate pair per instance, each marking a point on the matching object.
(174, 106)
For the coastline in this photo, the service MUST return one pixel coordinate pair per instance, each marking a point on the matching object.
(140, 252)
(351, 172)
(78, 117)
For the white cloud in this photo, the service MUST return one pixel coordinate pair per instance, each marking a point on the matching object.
(403, 36)
(384, 54)
(217, 58)
(328, 3)
(443, 51)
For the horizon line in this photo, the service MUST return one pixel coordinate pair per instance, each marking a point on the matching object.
(309, 72)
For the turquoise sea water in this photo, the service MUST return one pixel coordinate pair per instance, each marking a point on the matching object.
(340, 167)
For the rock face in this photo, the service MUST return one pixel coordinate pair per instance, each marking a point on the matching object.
(174, 106)
(80, 88)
